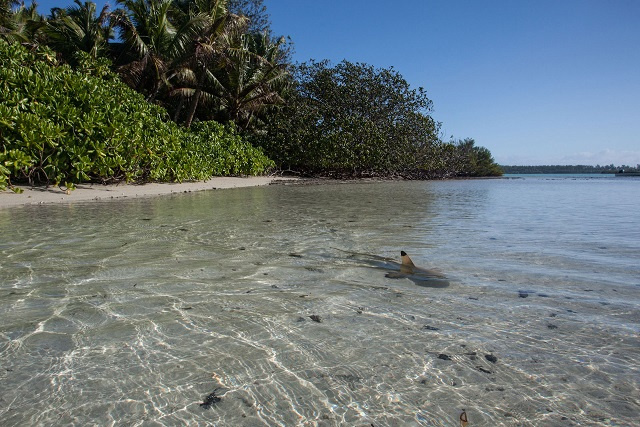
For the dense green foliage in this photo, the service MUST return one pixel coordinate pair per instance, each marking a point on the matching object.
(192, 62)
(78, 29)
(199, 61)
(63, 126)
(568, 169)
(351, 119)
(356, 120)
(467, 159)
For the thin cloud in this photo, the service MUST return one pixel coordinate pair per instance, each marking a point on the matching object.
(604, 157)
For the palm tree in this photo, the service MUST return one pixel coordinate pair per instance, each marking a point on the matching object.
(151, 39)
(19, 25)
(207, 51)
(198, 53)
(251, 83)
(77, 28)
(255, 10)
(6, 16)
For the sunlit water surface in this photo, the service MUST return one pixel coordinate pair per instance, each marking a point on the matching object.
(134, 312)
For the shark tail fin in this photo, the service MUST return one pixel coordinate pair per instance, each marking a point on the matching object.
(406, 260)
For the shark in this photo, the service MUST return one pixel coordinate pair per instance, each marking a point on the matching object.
(405, 269)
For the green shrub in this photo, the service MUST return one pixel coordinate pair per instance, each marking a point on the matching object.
(63, 127)
(356, 120)
(351, 119)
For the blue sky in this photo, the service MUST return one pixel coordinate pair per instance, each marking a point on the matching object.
(536, 82)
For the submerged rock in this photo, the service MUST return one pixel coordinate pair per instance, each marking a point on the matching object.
(211, 399)
(315, 318)
(443, 356)
(491, 358)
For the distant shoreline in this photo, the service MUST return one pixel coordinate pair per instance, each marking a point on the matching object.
(567, 169)
(42, 195)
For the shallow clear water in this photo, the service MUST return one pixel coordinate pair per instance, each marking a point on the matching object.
(133, 312)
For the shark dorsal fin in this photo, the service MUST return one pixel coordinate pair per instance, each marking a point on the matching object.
(406, 260)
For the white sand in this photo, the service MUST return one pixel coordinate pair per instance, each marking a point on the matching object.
(89, 192)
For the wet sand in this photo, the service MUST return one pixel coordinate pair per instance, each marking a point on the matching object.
(89, 192)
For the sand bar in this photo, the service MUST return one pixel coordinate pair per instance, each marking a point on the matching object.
(89, 192)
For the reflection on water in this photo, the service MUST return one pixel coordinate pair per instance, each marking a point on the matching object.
(138, 312)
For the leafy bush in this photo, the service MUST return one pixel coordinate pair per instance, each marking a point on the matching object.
(467, 159)
(60, 126)
(351, 119)
(356, 120)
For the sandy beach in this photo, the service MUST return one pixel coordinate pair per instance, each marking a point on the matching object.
(89, 192)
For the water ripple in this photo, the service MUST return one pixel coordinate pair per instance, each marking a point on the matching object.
(147, 307)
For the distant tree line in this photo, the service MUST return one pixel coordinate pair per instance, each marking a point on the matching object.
(212, 61)
(558, 169)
